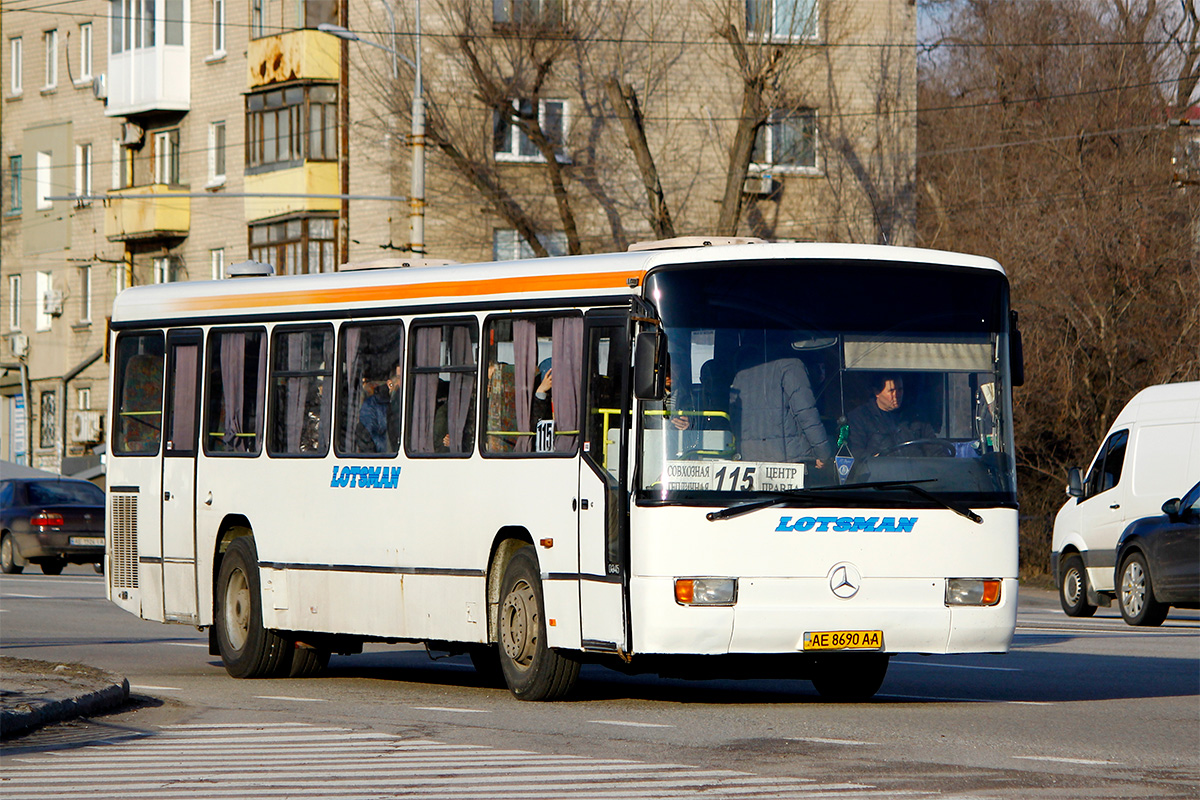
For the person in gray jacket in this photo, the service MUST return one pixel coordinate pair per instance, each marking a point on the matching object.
(775, 413)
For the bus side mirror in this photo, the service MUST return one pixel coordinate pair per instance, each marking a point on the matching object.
(1016, 353)
(1074, 483)
(649, 366)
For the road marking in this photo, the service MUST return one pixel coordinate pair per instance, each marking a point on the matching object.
(819, 740)
(146, 688)
(292, 699)
(452, 710)
(27, 596)
(1084, 761)
(185, 644)
(955, 666)
(1028, 703)
(630, 724)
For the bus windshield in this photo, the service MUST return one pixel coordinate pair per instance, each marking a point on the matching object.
(789, 376)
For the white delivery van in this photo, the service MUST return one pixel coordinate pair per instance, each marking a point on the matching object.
(1151, 454)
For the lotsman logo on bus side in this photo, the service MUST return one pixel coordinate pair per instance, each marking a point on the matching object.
(848, 524)
(365, 478)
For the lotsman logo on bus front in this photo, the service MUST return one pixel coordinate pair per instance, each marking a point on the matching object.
(848, 524)
(365, 478)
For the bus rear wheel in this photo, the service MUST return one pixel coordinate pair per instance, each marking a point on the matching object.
(849, 677)
(531, 669)
(247, 648)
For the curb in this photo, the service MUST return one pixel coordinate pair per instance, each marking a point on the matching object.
(21, 717)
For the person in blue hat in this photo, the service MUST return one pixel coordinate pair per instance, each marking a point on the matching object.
(543, 401)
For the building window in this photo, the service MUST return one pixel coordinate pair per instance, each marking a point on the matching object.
(285, 127)
(508, 245)
(527, 12)
(45, 299)
(14, 185)
(782, 19)
(14, 302)
(258, 23)
(788, 140)
(173, 23)
(83, 398)
(319, 11)
(85, 294)
(15, 66)
(168, 269)
(122, 165)
(218, 27)
(85, 52)
(216, 260)
(83, 174)
(511, 141)
(295, 246)
(51, 40)
(42, 181)
(166, 157)
(216, 153)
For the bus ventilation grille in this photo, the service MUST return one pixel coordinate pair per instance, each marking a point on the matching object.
(124, 555)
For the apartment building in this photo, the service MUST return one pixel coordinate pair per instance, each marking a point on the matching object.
(161, 141)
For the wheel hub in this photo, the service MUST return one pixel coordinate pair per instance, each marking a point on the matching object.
(237, 609)
(518, 624)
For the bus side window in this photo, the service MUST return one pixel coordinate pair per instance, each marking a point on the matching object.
(441, 388)
(301, 369)
(236, 365)
(139, 402)
(368, 388)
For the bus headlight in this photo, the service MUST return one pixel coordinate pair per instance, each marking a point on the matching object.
(972, 592)
(706, 591)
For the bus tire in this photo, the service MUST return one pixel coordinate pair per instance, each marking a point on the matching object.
(849, 677)
(1072, 588)
(532, 670)
(1135, 594)
(307, 662)
(247, 648)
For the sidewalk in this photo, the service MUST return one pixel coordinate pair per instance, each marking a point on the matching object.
(37, 693)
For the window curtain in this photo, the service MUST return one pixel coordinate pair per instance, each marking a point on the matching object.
(567, 352)
(525, 368)
(183, 398)
(350, 338)
(233, 365)
(424, 399)
(259, 405)
(462, 388)
(294, 390)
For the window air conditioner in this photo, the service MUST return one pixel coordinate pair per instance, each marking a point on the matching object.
(19, 344)
(131, 134)
(87, 427)
(100, 87)
(52, 303)
(759, 185)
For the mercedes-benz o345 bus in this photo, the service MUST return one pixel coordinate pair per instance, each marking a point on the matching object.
(550, 462)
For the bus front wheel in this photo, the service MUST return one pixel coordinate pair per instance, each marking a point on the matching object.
(247, 648)
(531, 669)
(849, 677)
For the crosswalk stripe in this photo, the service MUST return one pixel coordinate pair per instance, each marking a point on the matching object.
(277, 761)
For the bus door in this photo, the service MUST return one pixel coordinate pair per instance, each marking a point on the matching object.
(180, 426)
(603, 556)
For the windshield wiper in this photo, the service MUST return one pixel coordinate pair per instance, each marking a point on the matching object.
(783, 497)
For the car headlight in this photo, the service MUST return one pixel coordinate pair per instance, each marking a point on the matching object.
(972, 592)
(706, 591)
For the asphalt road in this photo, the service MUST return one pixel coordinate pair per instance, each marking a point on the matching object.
(1078, 708)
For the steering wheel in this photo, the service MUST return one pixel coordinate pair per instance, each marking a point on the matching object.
(945, 444)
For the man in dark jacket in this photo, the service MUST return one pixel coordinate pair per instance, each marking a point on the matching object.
(775, 413)
(876, 426)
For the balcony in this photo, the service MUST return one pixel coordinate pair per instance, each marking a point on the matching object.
(311, 178)
(156, 211)
(148, 79)
(294, 56)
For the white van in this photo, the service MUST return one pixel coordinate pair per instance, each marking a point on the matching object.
(1151, 454)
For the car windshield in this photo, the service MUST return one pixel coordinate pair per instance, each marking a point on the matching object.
(54, 493)
(788, 376)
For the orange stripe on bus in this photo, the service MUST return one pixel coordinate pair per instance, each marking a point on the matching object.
(383, 294)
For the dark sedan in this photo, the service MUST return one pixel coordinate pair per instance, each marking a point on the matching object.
(50, 522)
(1158, 562)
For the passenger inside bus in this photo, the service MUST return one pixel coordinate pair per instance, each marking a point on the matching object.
(371, 435)
(774, 411)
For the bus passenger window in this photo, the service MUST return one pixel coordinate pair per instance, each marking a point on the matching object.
(301, 368)
(441, 389)
(138, 428)
(531, 401)
(236, 366)
(368, 388)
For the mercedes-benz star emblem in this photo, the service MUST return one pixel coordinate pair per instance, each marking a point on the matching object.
(844, 581)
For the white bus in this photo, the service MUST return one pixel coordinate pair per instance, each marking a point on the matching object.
(642, 459)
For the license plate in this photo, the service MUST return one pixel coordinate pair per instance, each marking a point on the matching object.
(843, 640)
(87, 541)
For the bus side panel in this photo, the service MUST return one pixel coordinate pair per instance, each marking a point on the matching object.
(135, 542)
